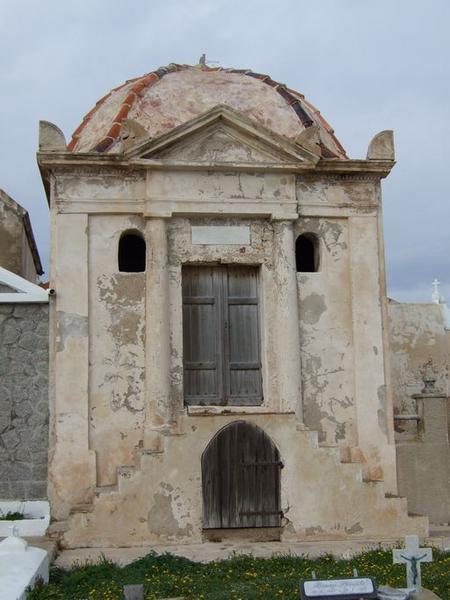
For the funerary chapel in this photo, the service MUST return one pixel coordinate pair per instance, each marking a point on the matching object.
(219, 343)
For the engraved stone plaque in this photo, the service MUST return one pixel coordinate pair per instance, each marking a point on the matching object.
(356, 587)
(238, 235)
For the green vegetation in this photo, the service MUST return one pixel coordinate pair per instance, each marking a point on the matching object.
(240, 577)
(11, 516)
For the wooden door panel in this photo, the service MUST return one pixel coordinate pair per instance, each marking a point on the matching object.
(221, 339)
(244, 338)
(241, 479)
(242, 282)
(244, 366)
(243, 376)
(201, 336)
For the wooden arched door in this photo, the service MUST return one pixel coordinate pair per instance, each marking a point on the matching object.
(241, 479)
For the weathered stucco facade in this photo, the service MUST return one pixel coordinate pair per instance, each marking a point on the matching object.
(125, 447)
(18, 251)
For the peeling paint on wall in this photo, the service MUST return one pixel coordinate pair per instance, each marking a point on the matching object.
(381, 412)
(313, 306)
(70, 325)
(326, 334)
(161, 518)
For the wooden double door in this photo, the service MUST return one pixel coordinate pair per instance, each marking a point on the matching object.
(221, 335)
(241, 473)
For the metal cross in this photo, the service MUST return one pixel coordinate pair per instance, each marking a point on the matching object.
(412, 555)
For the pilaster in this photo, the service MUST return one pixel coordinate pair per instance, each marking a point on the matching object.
(287, 320)
(157, 342)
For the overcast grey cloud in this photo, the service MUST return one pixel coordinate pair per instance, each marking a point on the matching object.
(367, 65)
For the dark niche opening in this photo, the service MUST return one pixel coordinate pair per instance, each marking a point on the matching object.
(132, 253)
(307, 253)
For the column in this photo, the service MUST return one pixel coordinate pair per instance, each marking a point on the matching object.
(287, 320)
(157, 337)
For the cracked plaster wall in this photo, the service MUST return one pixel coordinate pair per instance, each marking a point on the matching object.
(23, 401)
(118, 408)
(117, 324)
(344, 347)
(116, 348)
(326, 335)
(101, 411)
(167, 504)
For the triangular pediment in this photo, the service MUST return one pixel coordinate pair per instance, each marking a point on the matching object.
(221, 136)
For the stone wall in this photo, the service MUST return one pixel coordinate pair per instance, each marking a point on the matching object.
(23, 400)
(418, 336)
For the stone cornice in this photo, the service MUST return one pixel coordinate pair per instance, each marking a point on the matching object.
(110, 164)
(94, 161)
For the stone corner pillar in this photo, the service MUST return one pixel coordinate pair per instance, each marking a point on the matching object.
(72, 473)
(373, 398)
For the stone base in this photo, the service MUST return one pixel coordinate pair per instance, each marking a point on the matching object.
(257, 534)
(159, 500)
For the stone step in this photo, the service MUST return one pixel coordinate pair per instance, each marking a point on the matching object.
(82, 508)
(106, 489)
(143, 453)
(126, 471)
(56, 528)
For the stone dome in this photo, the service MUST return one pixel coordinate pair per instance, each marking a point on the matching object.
(173, 95)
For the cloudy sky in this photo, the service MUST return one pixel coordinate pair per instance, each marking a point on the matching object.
(367, 65)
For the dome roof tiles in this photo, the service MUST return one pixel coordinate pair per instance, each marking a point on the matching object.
(173, 95)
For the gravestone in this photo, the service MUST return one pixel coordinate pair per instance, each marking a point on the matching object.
(133, 592)
(352, 588)
(136, 592)
(412, 556)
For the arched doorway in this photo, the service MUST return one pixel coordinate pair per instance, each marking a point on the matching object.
(241, 479)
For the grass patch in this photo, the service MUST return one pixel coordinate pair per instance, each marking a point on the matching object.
(12, 516)
(238, 578)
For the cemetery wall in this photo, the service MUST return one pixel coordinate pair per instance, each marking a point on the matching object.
(417, 335)
(23, 400)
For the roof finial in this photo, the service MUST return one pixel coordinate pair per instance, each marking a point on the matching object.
(202, 60)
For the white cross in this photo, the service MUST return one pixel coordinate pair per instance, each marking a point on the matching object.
(412, 555)
(436, 296)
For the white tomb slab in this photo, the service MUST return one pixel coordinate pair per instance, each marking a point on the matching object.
(238, 235)
(20, 567)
